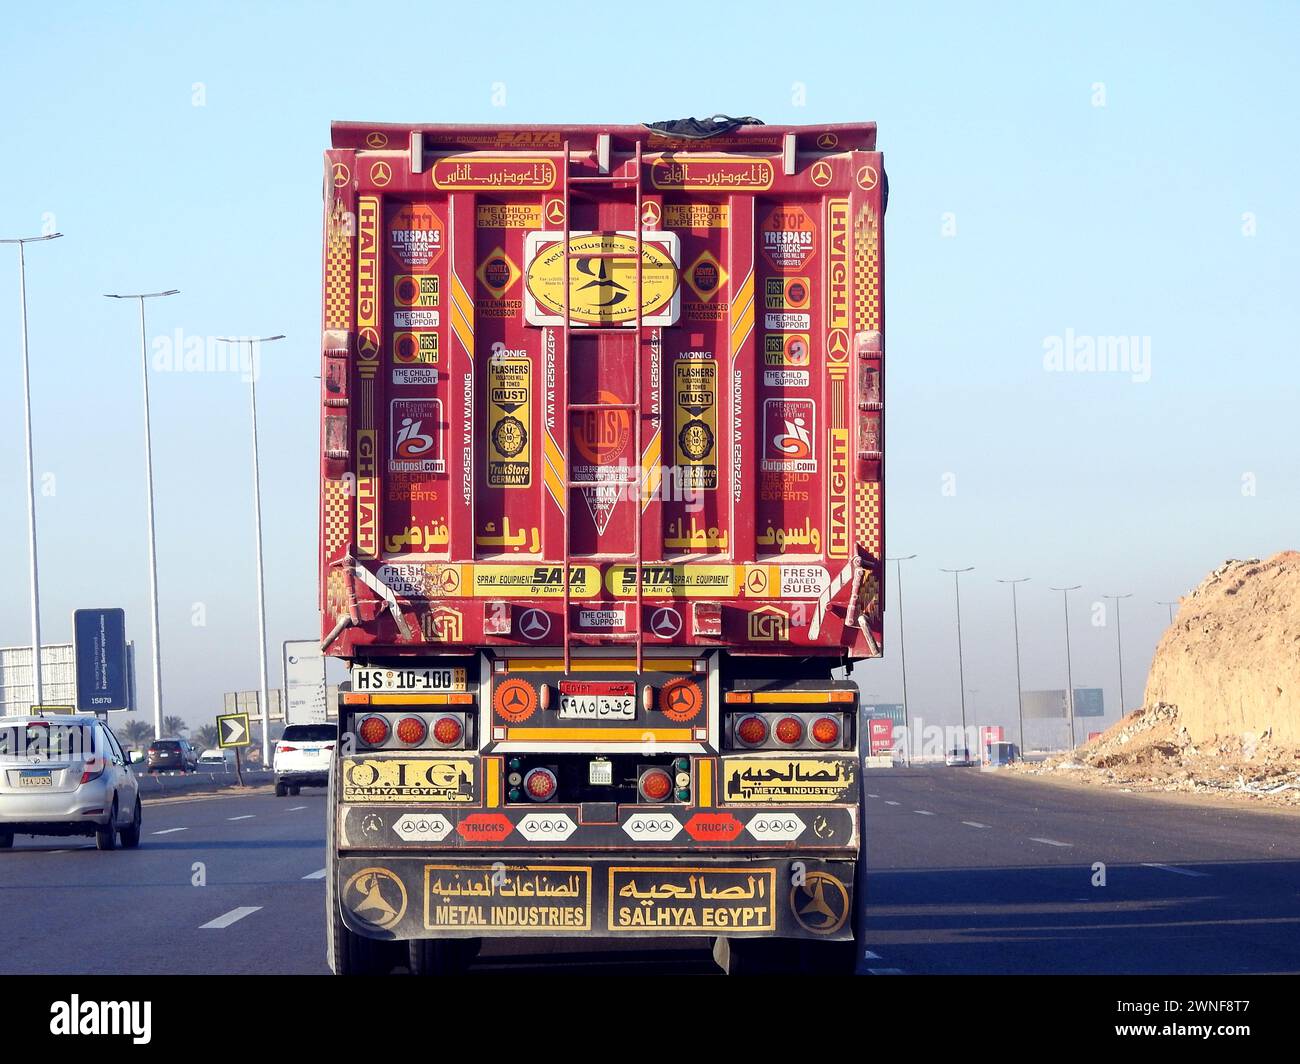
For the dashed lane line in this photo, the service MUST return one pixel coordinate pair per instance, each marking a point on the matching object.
(1176, 870)
(295, 808)
(246, 816)
(974, 824)
(229, 918)
(168, 831)
(319, 874)
(923, 812)
(1049, 842)
(887, 802)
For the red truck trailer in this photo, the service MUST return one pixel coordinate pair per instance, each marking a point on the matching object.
(601, 516)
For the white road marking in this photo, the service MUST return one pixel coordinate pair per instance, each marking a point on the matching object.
(923, 812)
(167, 831)
(295, 808)
(868, 955)
(884, 971)
(974, 824)
(230, 917)
(1049, 842)
(873, 796)
(1175, 870)
(246, 816)
(890, 803)
(315, 875)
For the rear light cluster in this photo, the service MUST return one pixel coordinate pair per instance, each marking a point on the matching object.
(788, 731)
(413, 731)
(657, 784)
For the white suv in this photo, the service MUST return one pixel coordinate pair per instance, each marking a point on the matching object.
(302, 757)
(66, 776)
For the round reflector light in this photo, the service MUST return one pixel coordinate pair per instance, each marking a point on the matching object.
(373, 731)
(448, 730)
(789, 730)
(655, 785)
(539, 784)
(752, 731)
(411, 731)
(826, 731)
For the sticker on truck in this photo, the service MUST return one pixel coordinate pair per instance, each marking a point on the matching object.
(401, 680)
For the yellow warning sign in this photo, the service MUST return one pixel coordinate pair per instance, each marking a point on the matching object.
(498, 272)
(695, 395)
(509, 423)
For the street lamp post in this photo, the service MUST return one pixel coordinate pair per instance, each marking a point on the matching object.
(1171, 606)
(31, 467)
(902, 653)
(148, 479)
(1119, 648)
(961, 668)
(264, 692)
(1015, 624)
(1069, 673)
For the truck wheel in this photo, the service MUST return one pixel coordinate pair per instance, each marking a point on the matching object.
(281, 790)
(441, 956)
(753, 956)
(295, 790)
(130, 837)
(6, 839)
(826, 958)
(106, 837)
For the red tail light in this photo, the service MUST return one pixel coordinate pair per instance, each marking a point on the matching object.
(284, 748)
(826, 731)
(789, 730)
(655, 785)
(411, 731)
(448, 731)
(373, 731)
(539, 784)
(752, 731)
(93, 770)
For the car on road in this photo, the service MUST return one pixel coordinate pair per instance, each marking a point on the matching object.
(216, 758)
(66, 775)
(171, 755)
(1000, 753)
(302, 757)
(958, 757)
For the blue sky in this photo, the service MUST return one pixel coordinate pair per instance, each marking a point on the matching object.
(1084, 170)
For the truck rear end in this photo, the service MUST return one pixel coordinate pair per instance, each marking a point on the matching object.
(601, 513)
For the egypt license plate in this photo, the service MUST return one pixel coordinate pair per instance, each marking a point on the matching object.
(30, 777)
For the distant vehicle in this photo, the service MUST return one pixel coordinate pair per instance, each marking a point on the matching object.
(958, 758)
(66, 776)
(302, 757)
(216, 757)
(1001, 753)
(174, 755)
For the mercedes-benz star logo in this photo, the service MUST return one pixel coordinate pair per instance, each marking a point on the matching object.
(666, 622)
(535, 624)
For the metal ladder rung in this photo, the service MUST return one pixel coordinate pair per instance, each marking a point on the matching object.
(602, 179)
(602, 406)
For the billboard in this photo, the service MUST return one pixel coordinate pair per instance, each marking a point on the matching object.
(1088, 702)
(890, 710)
(1041, 705)
(881, 730)
(58, 677)
(99, 650)
(304, 682)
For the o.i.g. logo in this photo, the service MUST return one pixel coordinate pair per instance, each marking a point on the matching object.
(602, 278)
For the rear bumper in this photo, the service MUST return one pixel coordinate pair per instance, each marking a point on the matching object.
(315, 778)
(64, 810)
(389, 896)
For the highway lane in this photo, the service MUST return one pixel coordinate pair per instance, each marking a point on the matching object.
(968, 872)
(985, 872)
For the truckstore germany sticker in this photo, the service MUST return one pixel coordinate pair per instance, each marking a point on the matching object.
(663, 898)
(509, 454)
(519, 897)
(403, 780)
(783, 779)
(695, 395)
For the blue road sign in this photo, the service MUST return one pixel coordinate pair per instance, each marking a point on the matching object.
(99, 647)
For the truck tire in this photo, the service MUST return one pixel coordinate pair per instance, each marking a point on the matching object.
(130, 836)
(6, 840)
(106, 837)
(281, 790)
(441, 956)
(346, 952)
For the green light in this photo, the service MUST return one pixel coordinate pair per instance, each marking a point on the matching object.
(515, 794)
(684, 795)
(514, 764)
(682, 764)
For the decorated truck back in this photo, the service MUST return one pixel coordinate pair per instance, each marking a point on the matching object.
(601, 526)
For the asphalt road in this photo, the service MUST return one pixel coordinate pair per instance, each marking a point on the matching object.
(980, 872)
(969, 872)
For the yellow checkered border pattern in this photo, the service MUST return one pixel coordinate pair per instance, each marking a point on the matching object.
(338, 271)
(336, 594)
(335, 518)
(866, 516)
(866, 270)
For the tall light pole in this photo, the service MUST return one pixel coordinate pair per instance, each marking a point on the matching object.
(1171, 606)
(148, 480)
(902, 652)
(264, 693)
(1069, 674)
(21, 241)
(1119, 648)
(1015, 625)
(961, 668)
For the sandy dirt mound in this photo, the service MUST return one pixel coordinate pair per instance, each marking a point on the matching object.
(1221, 712)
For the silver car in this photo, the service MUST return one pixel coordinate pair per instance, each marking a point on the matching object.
(66, 775)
